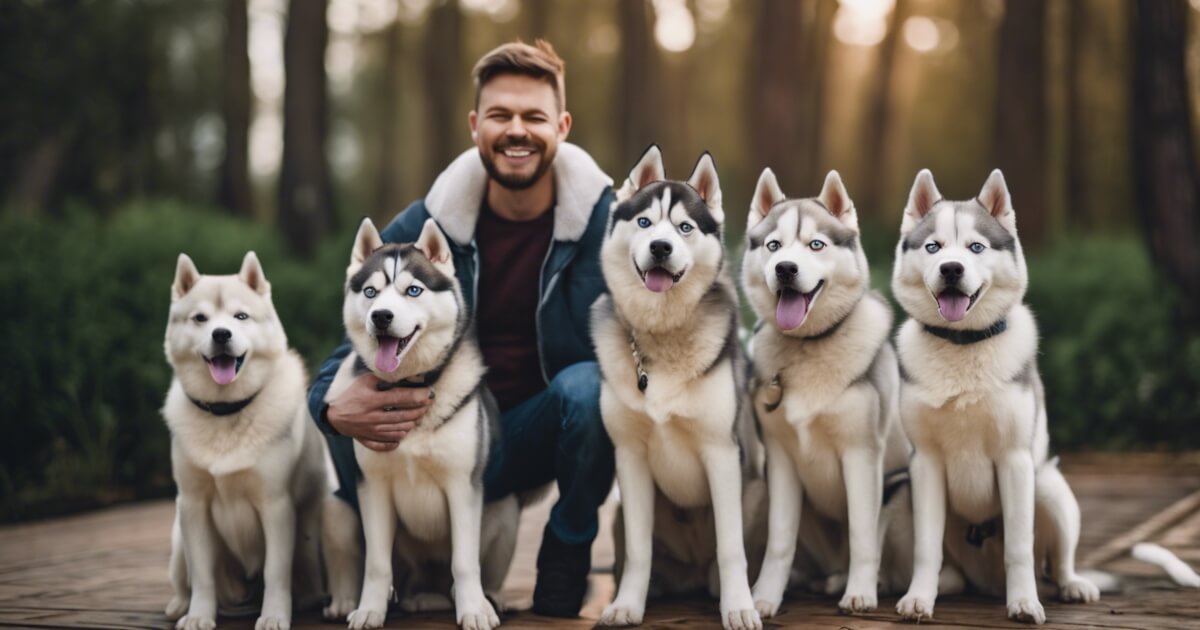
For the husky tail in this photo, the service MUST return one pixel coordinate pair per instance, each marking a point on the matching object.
(1179, 571)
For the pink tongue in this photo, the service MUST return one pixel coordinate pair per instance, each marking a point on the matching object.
(953, 305)
(386, 359)
(658, 280)
(791, 310)
(223, 369)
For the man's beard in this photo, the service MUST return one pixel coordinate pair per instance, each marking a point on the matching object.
(515, 181)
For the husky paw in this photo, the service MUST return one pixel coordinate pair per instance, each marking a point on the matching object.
(1027, 610)
(272, 623)
(479, 621)
(177, 607)
(338, 609)
(195, 623)
(742, 619)
(766, 608)
(1078, 590)
(857, 602)
(363, 618)
(621, 614)
(915, 608)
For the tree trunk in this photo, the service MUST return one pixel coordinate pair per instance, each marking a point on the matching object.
(305, 197)
(388, 185)
(234, 193)
(1164, 165)
(443, 77)
(1020, 141)
(640, 98)
(1077, 190)
(879, 119)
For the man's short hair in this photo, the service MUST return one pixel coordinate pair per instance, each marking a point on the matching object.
(538, 61)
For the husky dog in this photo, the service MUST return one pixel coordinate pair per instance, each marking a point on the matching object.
(247, 459)
(826, 398)
(405, 317)
(673, 382)
(973, 405)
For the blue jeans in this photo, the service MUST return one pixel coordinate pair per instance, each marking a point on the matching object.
(557, 435)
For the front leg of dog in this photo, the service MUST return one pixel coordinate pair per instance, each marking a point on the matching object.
(279, 528)
(379, 530)
(929, 525)
(637, 504)
(472, 610)
(862, 471)
(723, 468)
(785, 498)
(1014, 474)
(200, 552)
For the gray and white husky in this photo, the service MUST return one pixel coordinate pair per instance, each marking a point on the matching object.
(406, 319)
(672, 392)
(826, 397)
(973, 405)
(248, 460)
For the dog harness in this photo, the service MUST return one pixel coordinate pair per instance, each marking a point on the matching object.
(967, 337)
(221, 408)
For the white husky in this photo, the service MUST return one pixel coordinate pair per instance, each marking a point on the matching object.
(248, 460)
(673, 379)
(972, 404)
(405, 316)
(826, 398)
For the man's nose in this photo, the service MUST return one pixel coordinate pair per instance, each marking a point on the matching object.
(516, 127)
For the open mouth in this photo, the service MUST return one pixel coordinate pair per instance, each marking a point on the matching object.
(658, 279)
(793, 306)
(391, 349)
(224, 367)
(954, 304)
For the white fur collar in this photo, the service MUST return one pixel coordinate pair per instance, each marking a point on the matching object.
(455, 197)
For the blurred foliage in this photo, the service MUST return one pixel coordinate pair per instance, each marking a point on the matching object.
(84, 311)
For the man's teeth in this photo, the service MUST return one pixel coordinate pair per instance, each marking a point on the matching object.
(517, 153)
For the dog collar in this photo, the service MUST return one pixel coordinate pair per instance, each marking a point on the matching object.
(829, 331)
(421, 380)
(223, 408)
(967, 337)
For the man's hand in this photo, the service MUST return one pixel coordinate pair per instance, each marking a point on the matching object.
(378, 419)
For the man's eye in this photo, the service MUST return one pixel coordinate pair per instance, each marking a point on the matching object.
(773, 245)
(932, 248)
(370, 292)
(643, 222)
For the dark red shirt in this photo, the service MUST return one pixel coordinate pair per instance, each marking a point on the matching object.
(511, 254)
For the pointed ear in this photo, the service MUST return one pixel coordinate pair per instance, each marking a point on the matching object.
(921, 200)
(436, 248)
(704, 180)
(835, 199)
(766, 194)
(366, 241)
(649, 169)
(252, 274)
(186, 277)
(996, 199)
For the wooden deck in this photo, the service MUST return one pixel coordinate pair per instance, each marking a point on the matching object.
(107, 569)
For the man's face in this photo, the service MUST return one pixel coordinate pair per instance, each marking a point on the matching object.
(517, 127)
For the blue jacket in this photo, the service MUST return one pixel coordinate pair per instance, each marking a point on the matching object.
(570, 280)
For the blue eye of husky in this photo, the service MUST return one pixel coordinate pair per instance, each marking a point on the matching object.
(241, 316)
(414, 291)
(200, 318)
(773, 246)
(932, 248)
(370, 292)
(816, 245)
(977, 248)
(685, 227)
(643, 222)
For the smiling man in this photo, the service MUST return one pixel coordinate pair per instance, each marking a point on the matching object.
(525, 214)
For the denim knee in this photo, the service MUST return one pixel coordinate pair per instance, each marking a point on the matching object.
(577, 390)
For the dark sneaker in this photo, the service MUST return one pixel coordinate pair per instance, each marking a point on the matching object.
(562, 577)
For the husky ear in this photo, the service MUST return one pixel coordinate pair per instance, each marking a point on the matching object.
(252, 274)
(997, 201)
(921, 200)
(835, 199)
(766, 194)
(648, 170)
(186, 277)
(366, 241)
(436, 248)
(704, 180)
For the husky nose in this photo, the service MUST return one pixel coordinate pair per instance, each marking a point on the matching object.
(222, 335)
(787, 270)
(381, 318)
(952, 272)
(660, 249)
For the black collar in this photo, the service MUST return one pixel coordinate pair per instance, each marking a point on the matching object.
(967, 337)
(829, 331)
(223, 408)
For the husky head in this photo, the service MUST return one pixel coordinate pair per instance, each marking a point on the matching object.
(403, 309)
(663, 246)
(801, 254)
(223, 333)
(959, 263)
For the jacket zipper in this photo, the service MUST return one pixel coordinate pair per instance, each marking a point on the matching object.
(537, 316)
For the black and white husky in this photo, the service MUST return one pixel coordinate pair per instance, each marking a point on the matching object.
(672, 392)
(405, 316)
(826, 397)
(973, 405)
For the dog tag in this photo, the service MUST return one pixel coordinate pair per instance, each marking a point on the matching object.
(643, 382)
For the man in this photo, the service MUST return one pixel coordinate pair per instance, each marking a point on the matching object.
(525, 213)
